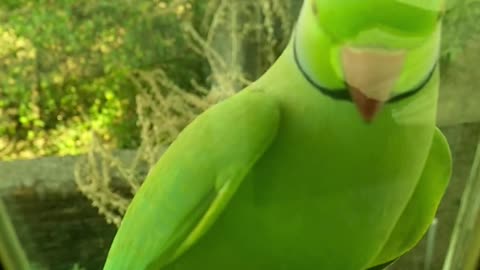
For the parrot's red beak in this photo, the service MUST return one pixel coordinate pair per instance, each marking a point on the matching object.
(367, 107)
(371, 75)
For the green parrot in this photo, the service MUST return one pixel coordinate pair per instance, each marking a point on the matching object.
(330, 160)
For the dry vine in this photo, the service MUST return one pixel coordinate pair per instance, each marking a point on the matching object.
(164, 108)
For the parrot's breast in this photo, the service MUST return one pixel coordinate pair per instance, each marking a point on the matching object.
(328, 191)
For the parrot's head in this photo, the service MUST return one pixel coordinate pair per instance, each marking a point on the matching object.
(380, 50)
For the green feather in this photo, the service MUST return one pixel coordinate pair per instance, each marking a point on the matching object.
(281, 176)
(344, 19)
(420, 211)
(190, 185)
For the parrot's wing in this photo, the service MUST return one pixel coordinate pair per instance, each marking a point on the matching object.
(382, 266)
(194, 179)
(420, 210)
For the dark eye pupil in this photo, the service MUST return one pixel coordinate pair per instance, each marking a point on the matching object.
(440, 15)
(314, 7)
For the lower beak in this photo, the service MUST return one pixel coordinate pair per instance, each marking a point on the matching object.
(370, 75)
(367, 107)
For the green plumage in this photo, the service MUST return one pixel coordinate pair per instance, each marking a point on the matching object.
(281, 176)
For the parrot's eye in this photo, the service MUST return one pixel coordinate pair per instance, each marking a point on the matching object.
(314, 8)
(441, 14)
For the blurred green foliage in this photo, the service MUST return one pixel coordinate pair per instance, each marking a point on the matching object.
(65, 67)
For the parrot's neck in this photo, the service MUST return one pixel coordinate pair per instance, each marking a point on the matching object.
(315, 53)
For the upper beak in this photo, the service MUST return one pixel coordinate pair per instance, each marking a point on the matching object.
(370, 75)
